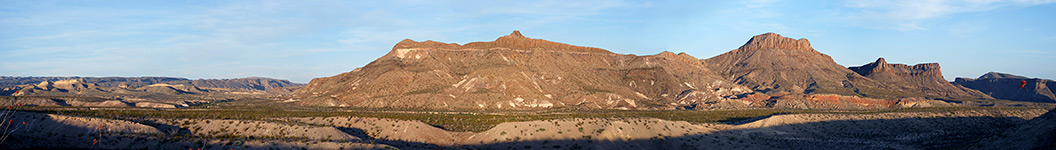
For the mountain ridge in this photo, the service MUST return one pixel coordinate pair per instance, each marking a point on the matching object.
(923, 78)
(517, 72)
(1012, 87)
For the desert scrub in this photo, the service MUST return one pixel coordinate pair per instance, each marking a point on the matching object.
(449, 120)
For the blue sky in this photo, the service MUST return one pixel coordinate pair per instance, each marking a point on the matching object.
(300, 40)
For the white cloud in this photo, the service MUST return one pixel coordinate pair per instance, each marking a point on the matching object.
(912, 14)
(242, 38)
(759, 3)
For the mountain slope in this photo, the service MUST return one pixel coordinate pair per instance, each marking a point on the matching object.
(1036, 133)
(775, 64)
(516, 72)
(1007, 86)
(920, 78)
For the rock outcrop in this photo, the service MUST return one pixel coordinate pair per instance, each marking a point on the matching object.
(516, 72)
(923, 78)
(1007, 86)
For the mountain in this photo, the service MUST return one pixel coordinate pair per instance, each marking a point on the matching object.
(136, 91)
(1007, 86)
(924, 78)
(772, 63)
(517, 72)
(998, 75)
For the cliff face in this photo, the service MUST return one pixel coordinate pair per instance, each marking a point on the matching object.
(1007, 86)
(516, 72)
(923, 78)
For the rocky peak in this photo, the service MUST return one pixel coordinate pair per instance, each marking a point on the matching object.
(867, 69)
(667, 54)
(515, 34)
(775, 41)
(880, 62)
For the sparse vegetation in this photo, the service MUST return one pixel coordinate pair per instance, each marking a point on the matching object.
(453, 120)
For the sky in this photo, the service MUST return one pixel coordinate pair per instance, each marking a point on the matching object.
(303, 39)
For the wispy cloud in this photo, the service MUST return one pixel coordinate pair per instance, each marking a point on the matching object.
(759, 3)
(245, 36)
(913, 14)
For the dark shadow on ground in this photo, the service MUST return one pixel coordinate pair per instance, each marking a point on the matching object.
(907, 133)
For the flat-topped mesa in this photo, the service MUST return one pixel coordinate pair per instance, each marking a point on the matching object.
(514, 41)
(408, 43)
(998, 75)
(518, 42)
(881, 66)
(775, 41)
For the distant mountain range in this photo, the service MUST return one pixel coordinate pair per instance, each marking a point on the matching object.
(136, 91)
(517, 72)
(1012, 87)
(250, 83)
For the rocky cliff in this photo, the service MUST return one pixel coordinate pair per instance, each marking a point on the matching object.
(1007, 86)
(923, 78)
